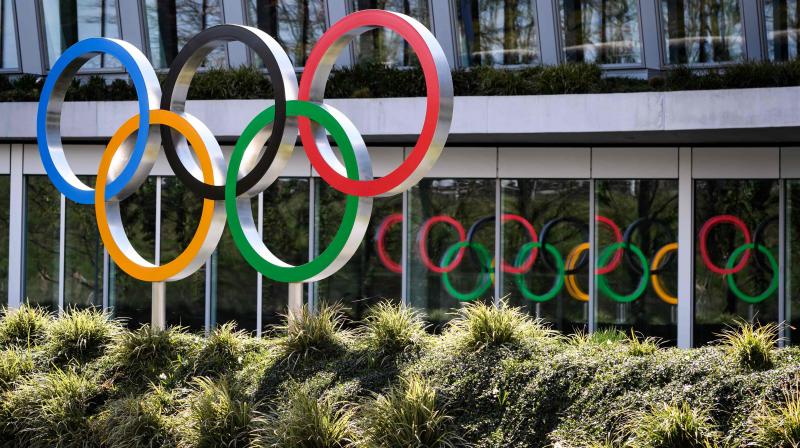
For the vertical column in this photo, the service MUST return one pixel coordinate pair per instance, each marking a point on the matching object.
(207, 303)
(685, 249)
(30, 31)
(592, 258)
(443, 20)
(259, 277)
(336, 10)
(132, 23)
(107, 305)
(233, 11)
(312, 241)
(754, 33)
(498, 242)
(549, 25)
(159, 300)
(652, 34)
(62, 228)
(404, 247)
(16, 228)
(783, 315)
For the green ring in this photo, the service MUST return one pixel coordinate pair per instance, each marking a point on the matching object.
(483, 257)
(602, 282)
(301, 273)
(732, 283)
(520, 278)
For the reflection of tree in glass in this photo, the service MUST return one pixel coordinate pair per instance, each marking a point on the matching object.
(499, 32)
(782, 19)
(384, 46)
(69, 21)
(83, 255)
(701, 31)
(171, 23)
(602, 31)
(295, 24)
(42, 211)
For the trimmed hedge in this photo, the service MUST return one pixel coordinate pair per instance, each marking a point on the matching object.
(379, 81)
(528, 387)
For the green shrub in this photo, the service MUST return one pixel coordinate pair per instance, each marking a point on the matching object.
(642, 346)
(409, 415)
(673, 426)
(309, 332)
(221, 351)
(777, 425)
(392, 328)
(221, 417)
(14, 364)
(80, 336)
(25, 326)
(308, 421)
(53, 409)
(479, 324)
(751, 345)
(139, 421)
(145, 354)
(604, 336)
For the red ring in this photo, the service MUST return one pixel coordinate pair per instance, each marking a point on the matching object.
(535, 238)
(381, 235)
(706, 229)
(381, 185)
(618, 255)
(423, 243)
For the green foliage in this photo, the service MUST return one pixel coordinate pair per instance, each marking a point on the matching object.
(14, 363)
(221, 417)
(222, 350)
(138, 421)
(642, 346)
(751, 345)
(145, 354)
(409, 415)
(392, 328)
(308, 421)
(673, 426)
(479, 325)
(313, 333)
(777, 425)
(24, 327)
(80, 336)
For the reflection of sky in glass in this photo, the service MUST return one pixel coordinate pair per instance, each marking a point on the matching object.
(295, 24)
(69, 21)
(8, 36)
(602, 32)
(488, 38)
(191, 17)
(782, 19)
(383, 45)
(703, 32)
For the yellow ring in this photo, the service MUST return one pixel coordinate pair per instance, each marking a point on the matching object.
(657, 286)
(570, 281)
(150, 272)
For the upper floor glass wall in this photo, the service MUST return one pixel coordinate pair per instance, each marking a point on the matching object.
(601, 31)
(69, 21)
(782, 24)
(171, 23)
(385, 46)
(9, 58)
(497, 32)
(296, 24)
(702, 31)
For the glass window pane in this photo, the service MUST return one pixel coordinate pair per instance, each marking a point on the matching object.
(233, 284)
(42, 216)
(603, 32)
(366, 278)
(171, 23)
(4, 216)
(83, 255)
(736, 272)
(382, 45)
(129, 298)
(295, 24)
(555, 211)
(442, 274)
(69, 21)
(642, 215)
(8, 36)
(180, 215)
(702, 31)
(497, 32)
(783, 29)
(793, 258)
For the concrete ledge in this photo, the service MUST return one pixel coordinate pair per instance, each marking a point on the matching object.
(746, 116)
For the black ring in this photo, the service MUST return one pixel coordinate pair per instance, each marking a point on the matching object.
(628, 235)
(189, 58)
(758, 238)
(473, 229)
(543, 240)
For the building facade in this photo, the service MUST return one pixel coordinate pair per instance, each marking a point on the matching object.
(688, 202)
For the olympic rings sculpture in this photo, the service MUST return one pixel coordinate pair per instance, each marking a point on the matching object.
(260, 153)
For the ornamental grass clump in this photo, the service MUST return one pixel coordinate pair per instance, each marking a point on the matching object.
(308, 421)
(219, 416)
(147, 354)
(14, 364)
(777, 425)
(409, 415)
(222, 351)
(80, 336)
(139, 421)
(391, 328)
(308, 333)
(639, 345)
(751, 345)
(479, 325)
(673, 426)
(23, 327)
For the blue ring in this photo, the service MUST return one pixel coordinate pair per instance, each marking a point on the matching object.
(113, 48)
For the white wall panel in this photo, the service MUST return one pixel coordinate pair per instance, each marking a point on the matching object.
(790, 162)
(84, 159)
(733, 163)
(384, 160)
(545, 163)
(465, 162)
(635, 163)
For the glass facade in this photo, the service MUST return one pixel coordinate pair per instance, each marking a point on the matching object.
(497, 32)
(171, 23)
(295, 24)
(792, 269)
(9, 56)
(83, 255)
(69, 21)
(42, 230)
(702, 31)
(782, 23)
(384, 46)
(603, 32)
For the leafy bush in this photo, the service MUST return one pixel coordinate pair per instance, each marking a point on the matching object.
(392, 328)
(309, 332)
(80, 336)
(25, 326)
(14, 363)
(145, 354)
(642, 346)
(220, 417)
(479, 324)
(221, 351)
(751, 345)
(409, 416)
(778, 425)
(308, 421)
(673, 426)
(138, 421)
